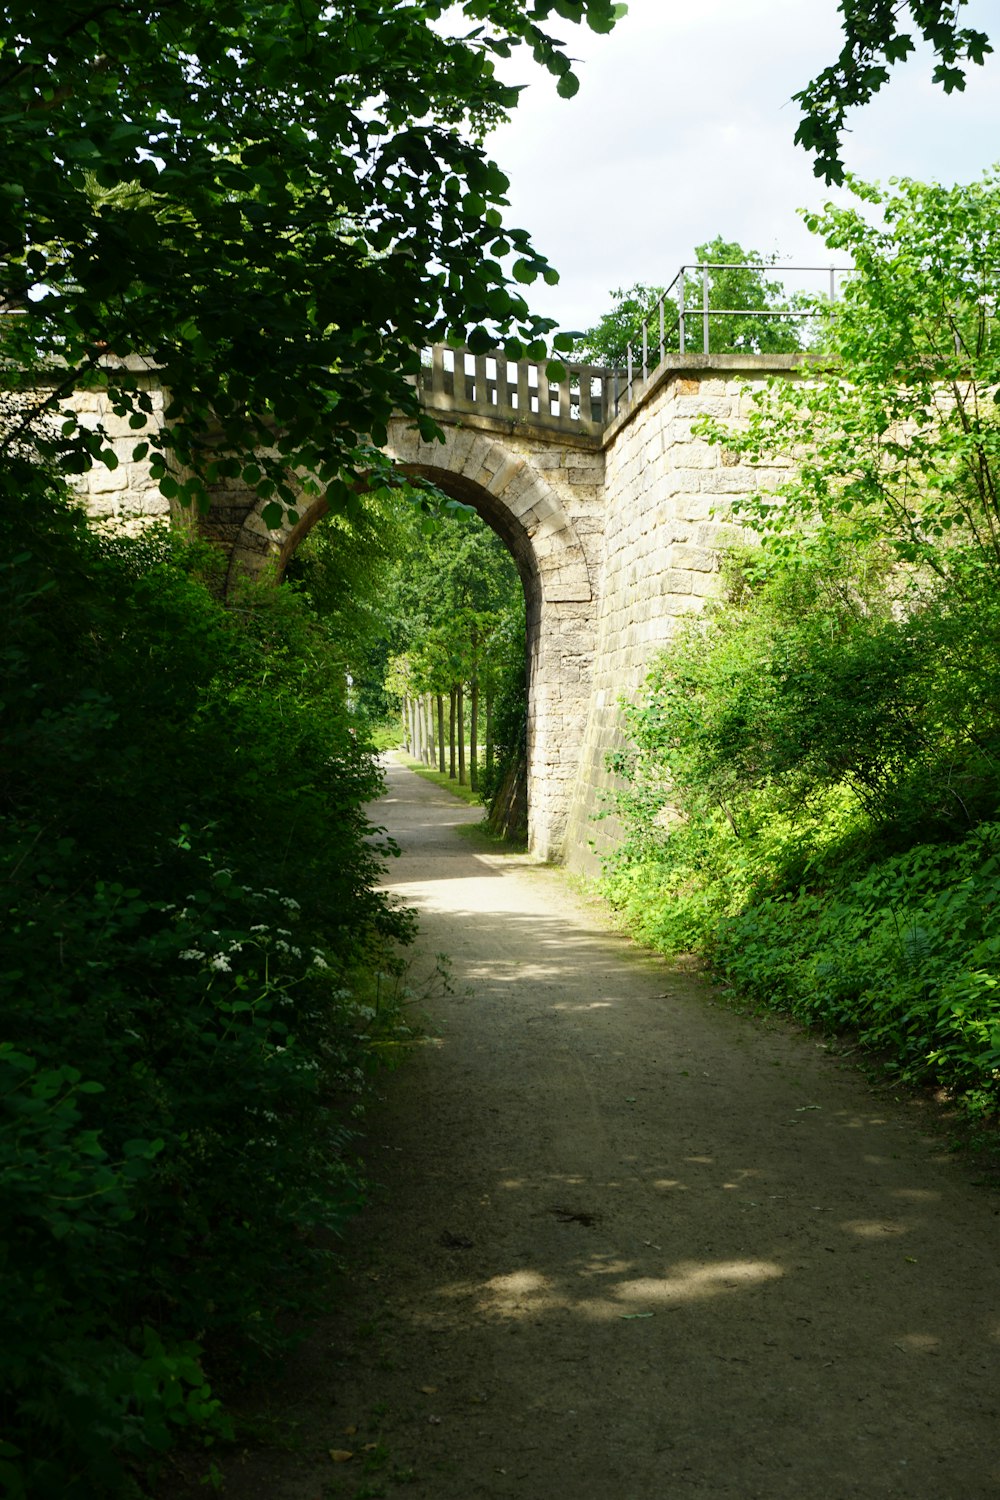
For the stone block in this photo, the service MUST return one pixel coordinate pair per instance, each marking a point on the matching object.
(696, 559)
(704, 406)
(102, 481)
(582, 459)
(695, 507)
(736, 481)
(706, 585)
(683, 604)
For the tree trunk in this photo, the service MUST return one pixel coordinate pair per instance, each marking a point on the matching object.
(489, 734)
(442, 767)
(460, 717)
(451, 737)
(473, 733)
(508, 814)
(417, 746)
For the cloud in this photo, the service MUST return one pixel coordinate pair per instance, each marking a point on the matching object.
(683, 129)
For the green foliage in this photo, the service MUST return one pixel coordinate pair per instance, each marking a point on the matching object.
(812, 790)
(750, 297)
(791, 762)
(736, 283)
(906, 446)
(346, 569)
(277, 203)
(874, 40)
(906, 957)
(189, 919)
(607, 343)
(453, 614)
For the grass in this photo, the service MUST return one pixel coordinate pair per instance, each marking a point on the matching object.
(464, 793)
(478, 833)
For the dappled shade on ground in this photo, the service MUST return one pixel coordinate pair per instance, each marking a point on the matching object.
(627, 1243)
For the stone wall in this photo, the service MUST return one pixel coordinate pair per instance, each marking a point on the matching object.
(666, 502)
(544, 496)
(125, 494)
(616, 537)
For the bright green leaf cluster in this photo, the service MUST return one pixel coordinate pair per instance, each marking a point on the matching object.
(275, 203)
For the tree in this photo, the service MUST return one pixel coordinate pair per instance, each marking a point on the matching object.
(898, 441)
(875, 39)
(901, 424)
(812, 788)
(454, 620)
(736, 282)
(276, 202)
(607, 343)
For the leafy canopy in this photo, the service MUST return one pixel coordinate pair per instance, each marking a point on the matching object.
(736, 282)
(276, 202)
(900, 432)
(876, 35)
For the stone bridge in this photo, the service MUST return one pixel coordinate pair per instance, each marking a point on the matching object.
(613, 510)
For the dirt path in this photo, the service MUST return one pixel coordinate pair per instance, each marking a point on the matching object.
(630, 1246)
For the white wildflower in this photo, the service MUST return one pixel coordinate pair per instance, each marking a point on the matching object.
(221, 962)
(192, 953)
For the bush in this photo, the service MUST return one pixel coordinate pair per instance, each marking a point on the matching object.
(190, 922)
(810, 798)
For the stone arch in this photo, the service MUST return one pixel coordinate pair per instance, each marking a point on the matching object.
(254, 546)
(513, 497)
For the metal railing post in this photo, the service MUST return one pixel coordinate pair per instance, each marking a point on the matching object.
(704, 308)
(645, 350)
(680, 310)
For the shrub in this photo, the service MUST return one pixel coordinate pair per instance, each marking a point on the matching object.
(190, 922)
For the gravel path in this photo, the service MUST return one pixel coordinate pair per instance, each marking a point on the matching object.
(628, 1245)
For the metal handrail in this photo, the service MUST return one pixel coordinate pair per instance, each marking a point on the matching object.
(704, 313)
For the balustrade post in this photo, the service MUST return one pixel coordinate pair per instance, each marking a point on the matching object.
(437, 370)
(523, 391)
(481, 389)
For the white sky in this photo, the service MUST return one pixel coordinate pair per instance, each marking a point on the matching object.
(682, 130)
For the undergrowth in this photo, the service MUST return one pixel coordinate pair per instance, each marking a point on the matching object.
(200, 980)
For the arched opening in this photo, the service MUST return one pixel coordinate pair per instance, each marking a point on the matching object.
(499, 480)
(509, 790)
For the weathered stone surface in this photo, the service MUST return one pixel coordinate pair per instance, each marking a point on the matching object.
(616, 538)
